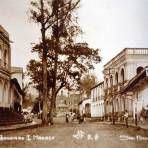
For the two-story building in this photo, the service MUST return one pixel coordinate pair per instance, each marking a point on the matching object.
(97, 101)
(137, 87)
(5, 68)
(10, 77)
(117, 72)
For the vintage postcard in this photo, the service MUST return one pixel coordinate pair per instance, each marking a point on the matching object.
(73, 73)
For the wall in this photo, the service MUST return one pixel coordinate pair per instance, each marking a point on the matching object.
(5, 63)
(82, 106)
(97, 100)
(140, 100)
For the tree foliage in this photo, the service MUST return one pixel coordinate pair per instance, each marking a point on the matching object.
(86, 83)
(62, 61)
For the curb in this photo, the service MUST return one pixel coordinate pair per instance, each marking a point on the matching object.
(20, 128)
(129, 125)
(134, 126)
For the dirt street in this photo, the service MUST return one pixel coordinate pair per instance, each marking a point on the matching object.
(74, 135)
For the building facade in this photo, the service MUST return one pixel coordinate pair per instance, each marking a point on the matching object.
(61, 103)
(73, 100)
(138, 88)
(7, 85)
(85, 107)
(5, 68)
(97, 100)
(117, 72)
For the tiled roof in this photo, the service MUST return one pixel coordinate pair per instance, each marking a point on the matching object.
(15, 82)
(134, 80)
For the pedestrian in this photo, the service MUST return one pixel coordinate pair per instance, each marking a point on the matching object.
(126, 118)
(84, 118)
(67, 120)
(73, 116)
(78, 117)
(81, 120)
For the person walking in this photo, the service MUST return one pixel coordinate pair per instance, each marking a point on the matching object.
(73, 116)
(67, 120)
(126, 118)
(84, 118)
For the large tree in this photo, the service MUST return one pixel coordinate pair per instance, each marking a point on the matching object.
(62, 60)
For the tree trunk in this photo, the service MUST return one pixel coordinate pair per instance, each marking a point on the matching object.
(56, 47)
(45, 111)
(53, 97)
(44, 62)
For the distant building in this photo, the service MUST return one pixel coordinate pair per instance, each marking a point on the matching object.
(61, 103)
(117, 72)
(10, 85)
(17, 72)
(97, 100)
(15, 95)
(85, 107)
(73, 100)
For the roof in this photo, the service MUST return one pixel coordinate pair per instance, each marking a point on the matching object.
(15, 82)
(80, 102)
(97, 85)
(123, 51)
(16, 70)
(135, 80)
(3, 31)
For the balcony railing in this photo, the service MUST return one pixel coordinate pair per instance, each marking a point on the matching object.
(4, 66)
(114, 89)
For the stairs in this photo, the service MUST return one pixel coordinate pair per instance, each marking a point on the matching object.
(9, 117)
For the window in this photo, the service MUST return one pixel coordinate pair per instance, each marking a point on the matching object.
(139, 69)
(111, 80)
(122, 75)
(116, 78)
(5, 58)
(0, 52)
(106, 82)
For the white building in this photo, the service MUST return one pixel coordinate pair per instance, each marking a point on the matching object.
(97, 100)
(17, 72)
(84, 107)
(117, 72)
(138, 88)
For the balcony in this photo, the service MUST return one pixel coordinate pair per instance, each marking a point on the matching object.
(4, 69)
(135, 51)
(114, 90)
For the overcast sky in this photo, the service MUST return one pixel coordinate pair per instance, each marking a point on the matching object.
(110, 25)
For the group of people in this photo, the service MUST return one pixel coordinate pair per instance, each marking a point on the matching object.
(73, 116)
(82, 118)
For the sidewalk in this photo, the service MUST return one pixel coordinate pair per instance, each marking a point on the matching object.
(33, 124)
(140, 125)
(130, 124)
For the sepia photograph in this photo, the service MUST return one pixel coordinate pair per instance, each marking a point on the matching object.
(74, 73)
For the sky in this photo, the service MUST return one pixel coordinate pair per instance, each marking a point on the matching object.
(110, 25)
